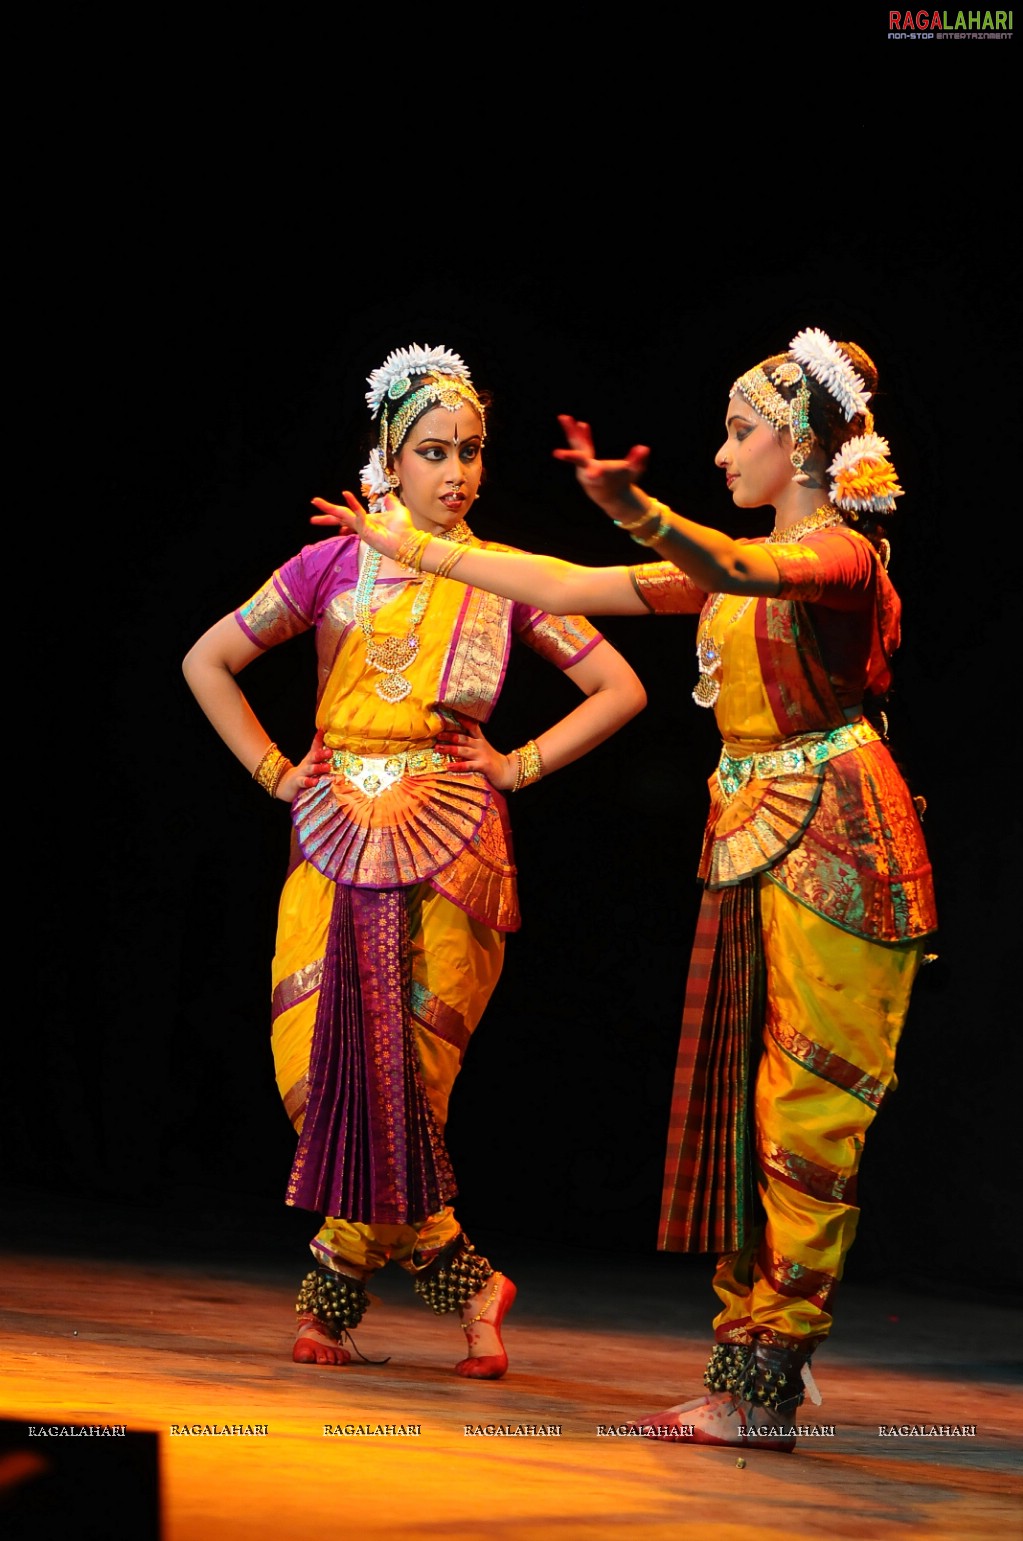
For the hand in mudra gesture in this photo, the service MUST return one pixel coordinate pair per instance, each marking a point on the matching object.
(608, 482)
(384, 531)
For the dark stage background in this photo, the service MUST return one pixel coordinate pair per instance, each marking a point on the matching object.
(217, 335)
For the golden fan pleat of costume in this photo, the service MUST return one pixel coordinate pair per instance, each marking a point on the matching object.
(757, 826)
(481, 879)
(403, 835)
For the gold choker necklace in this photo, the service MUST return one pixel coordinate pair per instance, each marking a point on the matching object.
(821, 519)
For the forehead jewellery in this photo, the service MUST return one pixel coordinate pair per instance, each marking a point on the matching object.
(811, 353)
(863, 478)
(398, 394)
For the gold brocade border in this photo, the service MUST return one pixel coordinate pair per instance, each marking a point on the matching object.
(336, 623)
(439, 1018)
(793, 1279)
(296, 987)
(269, 617)
(820, 1182)
(295, 1100)
(473, 669)
(665, 590)
(825, 1063)
(560, 639)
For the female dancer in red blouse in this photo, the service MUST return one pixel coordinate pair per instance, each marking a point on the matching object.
(817, 888)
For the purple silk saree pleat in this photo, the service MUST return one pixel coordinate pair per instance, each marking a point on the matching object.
(370, 1149)
(708, 1180)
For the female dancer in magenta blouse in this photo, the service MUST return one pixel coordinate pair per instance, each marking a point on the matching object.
(402, 886)
(817, 887)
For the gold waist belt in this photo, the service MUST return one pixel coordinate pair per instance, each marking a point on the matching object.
(793, 757)
(373, 774)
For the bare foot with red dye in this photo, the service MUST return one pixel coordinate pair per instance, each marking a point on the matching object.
(481, 1322)
(316, 1344)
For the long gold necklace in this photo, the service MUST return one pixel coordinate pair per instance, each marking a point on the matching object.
(393, 655)
(708, 648)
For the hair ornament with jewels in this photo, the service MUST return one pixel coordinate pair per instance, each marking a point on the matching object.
(407, 384)
(393, 378)
(812, 391)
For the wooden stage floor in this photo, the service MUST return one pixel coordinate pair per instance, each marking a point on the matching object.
(106, 1341)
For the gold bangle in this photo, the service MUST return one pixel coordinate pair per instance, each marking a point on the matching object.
(280, 771)
(530, 766)
(635, 524)
(663, 527)
(410, 552)
(444, 567)
(271, 770)
(269, 754)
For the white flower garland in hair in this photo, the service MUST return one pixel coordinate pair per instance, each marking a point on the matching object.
(830, 367)
(864, 478)
(403, 362)
(374, 483)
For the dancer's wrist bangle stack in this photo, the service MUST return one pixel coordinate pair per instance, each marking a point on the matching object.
(410, 552)
(530, 766)
(650, 525)
(272, 769)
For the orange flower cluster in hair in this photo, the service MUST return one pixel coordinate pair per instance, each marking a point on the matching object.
(872, 479)
(864, 479)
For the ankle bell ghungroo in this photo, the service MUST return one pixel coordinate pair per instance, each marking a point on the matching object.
(724, 1365)
(771, 1376)
(334, 1299)
(453, 1277)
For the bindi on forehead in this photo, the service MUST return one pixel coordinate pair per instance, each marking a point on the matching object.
(441, 426)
